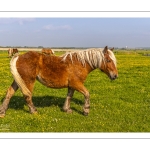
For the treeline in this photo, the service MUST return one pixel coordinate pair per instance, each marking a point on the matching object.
(43, 47)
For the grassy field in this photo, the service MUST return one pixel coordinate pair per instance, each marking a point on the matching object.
(122, 105)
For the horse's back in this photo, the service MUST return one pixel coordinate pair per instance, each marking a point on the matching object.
(29, 57)
(43, 61)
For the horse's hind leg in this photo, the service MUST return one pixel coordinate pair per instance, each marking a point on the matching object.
(28, 97)
(10, 92)
(66, 106)
(30, 104)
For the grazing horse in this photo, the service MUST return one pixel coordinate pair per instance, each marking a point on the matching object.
(12, 51)
(47, 51)
(67, 71)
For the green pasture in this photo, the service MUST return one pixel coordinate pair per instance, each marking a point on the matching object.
(122, 105)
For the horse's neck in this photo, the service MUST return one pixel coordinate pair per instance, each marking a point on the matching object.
(89, 68)
(86, 65)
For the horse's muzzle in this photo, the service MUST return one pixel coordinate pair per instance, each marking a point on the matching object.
(113, 77)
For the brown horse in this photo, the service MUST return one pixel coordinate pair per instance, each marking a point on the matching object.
(47, 51)
(12, 51)
(67, 71)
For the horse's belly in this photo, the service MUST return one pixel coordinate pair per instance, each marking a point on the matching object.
(53, 83)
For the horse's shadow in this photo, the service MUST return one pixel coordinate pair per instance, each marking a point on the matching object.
(18, 102)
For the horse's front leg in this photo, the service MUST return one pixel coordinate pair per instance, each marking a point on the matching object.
(10, 92)
(86, 108)
(66, 106)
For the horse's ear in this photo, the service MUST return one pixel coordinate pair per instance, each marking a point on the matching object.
(105, 50)
(112, 49)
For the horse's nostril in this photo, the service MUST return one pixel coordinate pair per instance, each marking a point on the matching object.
(113, 77)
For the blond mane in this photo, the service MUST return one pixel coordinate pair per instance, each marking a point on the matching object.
(93, 56)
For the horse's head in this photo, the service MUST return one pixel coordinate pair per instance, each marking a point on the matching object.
(108, 64)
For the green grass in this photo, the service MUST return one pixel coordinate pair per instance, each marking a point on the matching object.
(122, 105)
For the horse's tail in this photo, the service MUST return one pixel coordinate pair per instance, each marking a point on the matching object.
(20, 82)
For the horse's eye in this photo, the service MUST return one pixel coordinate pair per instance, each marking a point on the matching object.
(108, 61)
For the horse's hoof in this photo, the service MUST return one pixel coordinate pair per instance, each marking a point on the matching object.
(69, 111)
(2, 115)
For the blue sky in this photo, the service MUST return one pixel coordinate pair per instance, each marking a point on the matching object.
(75, 32)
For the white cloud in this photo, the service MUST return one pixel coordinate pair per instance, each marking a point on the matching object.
(52, 27)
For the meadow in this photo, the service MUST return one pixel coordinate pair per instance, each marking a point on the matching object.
(122, 105)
